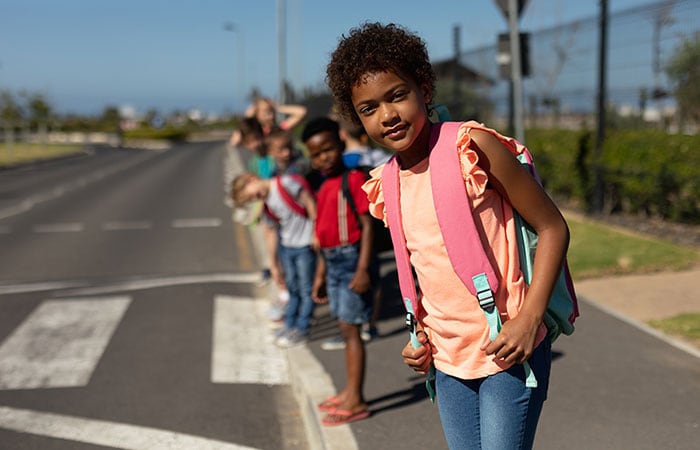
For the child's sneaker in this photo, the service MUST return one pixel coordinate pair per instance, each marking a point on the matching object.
(368, 333)
(290, 339)
(334, 343)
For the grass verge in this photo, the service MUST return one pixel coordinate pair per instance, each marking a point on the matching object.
(686, 326)
(598, 250)
(18, 153)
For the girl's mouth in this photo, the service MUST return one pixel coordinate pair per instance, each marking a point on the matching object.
(396, 133)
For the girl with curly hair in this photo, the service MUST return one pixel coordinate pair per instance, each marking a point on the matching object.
(381, 77)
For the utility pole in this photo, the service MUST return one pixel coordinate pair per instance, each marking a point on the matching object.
(456, 103)
(598, 191)
(282, 48)
(510, 60)
(516, 70)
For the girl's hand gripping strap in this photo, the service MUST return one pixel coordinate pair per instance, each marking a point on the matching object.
(411, 324)
(390, 186)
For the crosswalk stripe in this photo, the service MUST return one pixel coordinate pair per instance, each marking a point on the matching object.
(59, 343)
(105, 433)
(242, 350)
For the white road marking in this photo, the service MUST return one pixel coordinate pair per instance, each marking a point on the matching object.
(135, 285)
(127, 225)
(105, 433)
(67, 227)
(59, 343)
(200, 222)
(41, 286)
(242, 350)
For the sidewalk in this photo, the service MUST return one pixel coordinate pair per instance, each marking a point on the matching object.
(407, 412)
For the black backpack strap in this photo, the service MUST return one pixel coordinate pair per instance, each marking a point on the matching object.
(345, 188)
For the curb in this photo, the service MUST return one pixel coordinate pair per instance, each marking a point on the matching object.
(311, 384)
(677, 343)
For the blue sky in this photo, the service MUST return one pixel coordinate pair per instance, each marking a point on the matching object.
(176, 54)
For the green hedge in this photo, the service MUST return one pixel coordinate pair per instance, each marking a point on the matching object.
(644, 171)
(167, 133)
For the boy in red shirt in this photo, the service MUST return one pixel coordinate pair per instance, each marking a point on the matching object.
(346, 264)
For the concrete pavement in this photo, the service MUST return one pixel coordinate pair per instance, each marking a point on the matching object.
(401, 410)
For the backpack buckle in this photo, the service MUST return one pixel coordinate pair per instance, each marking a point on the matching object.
(484, 293)
(486, 300)
(410, 321)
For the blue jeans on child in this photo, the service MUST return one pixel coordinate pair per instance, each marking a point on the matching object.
(497, 412)
(299, 265)
(346, 305)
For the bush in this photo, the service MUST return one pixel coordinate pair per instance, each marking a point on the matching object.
(644, 171)
(167, 133)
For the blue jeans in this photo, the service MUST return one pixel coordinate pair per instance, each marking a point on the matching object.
(346, 305)
(299, 265)
(497, 412)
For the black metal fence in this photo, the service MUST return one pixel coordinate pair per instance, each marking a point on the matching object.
(561, 90)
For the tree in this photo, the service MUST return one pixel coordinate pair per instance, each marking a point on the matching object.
(11, 114)
(40, 112)
(683, 70)
(110, 119)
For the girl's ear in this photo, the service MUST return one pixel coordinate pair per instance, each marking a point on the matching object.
(427, 92)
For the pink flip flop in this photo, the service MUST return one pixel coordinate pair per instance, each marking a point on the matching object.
(341, 417)
(329, 404)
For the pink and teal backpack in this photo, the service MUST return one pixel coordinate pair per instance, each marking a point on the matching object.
(462, 241)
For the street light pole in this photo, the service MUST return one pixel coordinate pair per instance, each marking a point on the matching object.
(282, 48)
(240, 82)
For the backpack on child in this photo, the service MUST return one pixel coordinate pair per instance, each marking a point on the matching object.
(289, 200)
(462, 240)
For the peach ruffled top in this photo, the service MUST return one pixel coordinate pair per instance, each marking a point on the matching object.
(448, 312)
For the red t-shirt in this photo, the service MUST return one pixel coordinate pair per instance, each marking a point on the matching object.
(337, 226)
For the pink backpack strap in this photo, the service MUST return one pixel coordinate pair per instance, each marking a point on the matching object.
(456, 223)
(390, 188)
(462, 240)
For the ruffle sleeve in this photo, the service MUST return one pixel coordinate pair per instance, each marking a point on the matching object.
(474, 176)
(375, 195)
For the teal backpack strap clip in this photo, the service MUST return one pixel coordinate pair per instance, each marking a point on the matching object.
(488, 305)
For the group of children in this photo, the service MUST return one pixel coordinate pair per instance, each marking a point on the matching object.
(381, 79)
(319, 248)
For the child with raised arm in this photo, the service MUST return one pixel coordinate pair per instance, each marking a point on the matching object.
(381, 77)
(345, 269)
(289, 203)
(265, 111)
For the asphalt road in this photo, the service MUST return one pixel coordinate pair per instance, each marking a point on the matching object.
(125, 299)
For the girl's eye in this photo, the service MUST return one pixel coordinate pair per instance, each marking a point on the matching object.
(366, 110)
(399, 95)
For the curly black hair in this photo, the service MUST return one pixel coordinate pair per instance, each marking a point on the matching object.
(371, 48)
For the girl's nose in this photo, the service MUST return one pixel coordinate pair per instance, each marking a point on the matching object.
(388, 114)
